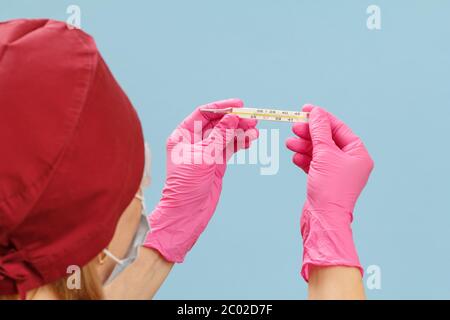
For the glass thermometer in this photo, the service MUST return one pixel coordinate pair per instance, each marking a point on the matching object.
(263, 114)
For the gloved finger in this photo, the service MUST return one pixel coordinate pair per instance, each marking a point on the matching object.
(203, 119)
(307, 107)
(320, 128)
(299, 145)
(343, 136)
(302, 160)
(243, 139)
(252, 134)
(301, 129)
(224, 131)
(246, 124)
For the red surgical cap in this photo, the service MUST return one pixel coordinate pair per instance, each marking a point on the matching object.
(72, 153)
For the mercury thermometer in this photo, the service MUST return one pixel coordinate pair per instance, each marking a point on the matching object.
(263, 114)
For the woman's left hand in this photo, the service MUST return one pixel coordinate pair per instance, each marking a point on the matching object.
(197, 153)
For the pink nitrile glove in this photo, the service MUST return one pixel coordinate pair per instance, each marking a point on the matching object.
(338, 167)
(197, 152)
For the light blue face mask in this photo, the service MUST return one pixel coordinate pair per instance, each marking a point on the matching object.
(132, 252)
(141, 232)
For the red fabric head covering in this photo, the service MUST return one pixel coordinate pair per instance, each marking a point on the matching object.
(72, 152)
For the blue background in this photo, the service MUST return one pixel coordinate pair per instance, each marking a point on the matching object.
(391, 86)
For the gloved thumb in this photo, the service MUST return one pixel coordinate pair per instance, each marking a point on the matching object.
(224, 131)
(320, 128)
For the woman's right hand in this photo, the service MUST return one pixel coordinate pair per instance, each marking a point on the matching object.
(197, 155)
(338, 167)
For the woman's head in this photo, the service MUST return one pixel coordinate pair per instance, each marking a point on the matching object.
(102, 267)
(74, 155)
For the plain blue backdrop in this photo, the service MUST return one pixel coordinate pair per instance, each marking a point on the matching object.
(391, 86)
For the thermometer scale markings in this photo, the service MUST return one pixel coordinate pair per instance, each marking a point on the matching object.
(263, 114)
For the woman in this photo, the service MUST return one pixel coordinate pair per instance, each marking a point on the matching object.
(72, 179)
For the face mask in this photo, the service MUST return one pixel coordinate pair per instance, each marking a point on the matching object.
(141, 232)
